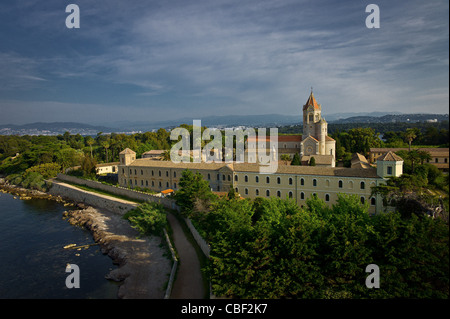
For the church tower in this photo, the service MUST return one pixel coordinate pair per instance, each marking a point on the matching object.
(315, 140)
(311, 115)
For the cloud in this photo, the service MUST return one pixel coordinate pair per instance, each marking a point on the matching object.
(177, 58)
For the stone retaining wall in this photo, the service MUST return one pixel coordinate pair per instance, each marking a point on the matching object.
(92, 199)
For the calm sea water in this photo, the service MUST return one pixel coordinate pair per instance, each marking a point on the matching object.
(33, 260)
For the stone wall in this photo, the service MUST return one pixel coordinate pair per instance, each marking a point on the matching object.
(121, 191)
(92, 199)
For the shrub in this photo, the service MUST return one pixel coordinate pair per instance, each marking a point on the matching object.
(148, 218)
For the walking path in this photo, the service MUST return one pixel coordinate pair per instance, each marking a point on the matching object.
(189, 282)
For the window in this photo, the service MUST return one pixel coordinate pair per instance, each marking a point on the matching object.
(142, 183)
(159, 173)
(362, 185)
(223, 177)
(302, 181)
(153, 183)
(175, 185)
(340, 184)
(229, 177)
(314, 182)
(389, 170)
(209, 176)
(159, 184)
(235, 178)
(246, 178)
(153, 173)
(278, 180)
(135, 172)
(290, 194)
(373, 201)
(246, 191)
(327, 197)
(290, 180)
(146, 183)
(267, 193)
(167, 184)
(362, 199)
(142, 172)
(257, 179)
(218, 177)
(278, 193)
(436, 160)
(257, 192)
(174, 174)
(302, 195)
(267, 179)
(167, 173)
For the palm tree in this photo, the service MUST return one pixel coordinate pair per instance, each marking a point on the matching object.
(423, 156)
(105, 144)
(165, 155)
(90, 141)
(409, 136)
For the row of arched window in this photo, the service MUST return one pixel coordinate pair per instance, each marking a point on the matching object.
(362, 184)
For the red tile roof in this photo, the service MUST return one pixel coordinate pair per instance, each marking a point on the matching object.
(311, 102)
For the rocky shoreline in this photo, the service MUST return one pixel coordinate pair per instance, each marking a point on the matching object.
(143, 263)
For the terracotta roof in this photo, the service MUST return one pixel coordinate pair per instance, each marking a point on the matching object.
(319, 159)
(127, 151)
(389, 156)
(431, 150)
(327, 138)
(147, 162)
(107, 164)
(289, 138)
(153, 152)
(312, 170)
(311, 102)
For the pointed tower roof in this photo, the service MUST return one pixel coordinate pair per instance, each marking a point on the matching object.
(311, 102)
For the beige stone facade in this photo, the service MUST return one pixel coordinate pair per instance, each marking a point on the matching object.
(294, 182)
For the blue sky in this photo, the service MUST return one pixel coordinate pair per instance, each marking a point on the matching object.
(157, 60)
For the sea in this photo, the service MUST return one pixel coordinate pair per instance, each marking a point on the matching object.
(33, 260)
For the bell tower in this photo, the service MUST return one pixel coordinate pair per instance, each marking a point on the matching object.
(311, 115)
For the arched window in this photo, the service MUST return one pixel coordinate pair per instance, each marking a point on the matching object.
(314, 182)
(246, 191)
(290, 180)
(267, 179)
(362, 199)
(327, 197)
(340, 184)
(235, 178)
(278, 193)
(246, 178)
(267, 193)
(302, 195)
(302, 181)
(373, 201)
(362, 185)
(278, 180)
(257, 192)
(257, 179)
(290, 194)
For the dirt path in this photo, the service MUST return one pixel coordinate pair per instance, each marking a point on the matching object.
(189, 282)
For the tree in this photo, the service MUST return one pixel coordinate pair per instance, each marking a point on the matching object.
(410, 135)
(312, 161)
(90, 141)
(296, 160)
(88, 165)
(194, 191)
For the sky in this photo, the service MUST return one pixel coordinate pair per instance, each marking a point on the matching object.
(147, 60)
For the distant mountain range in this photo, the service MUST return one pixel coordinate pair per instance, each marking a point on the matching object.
(267, 120)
